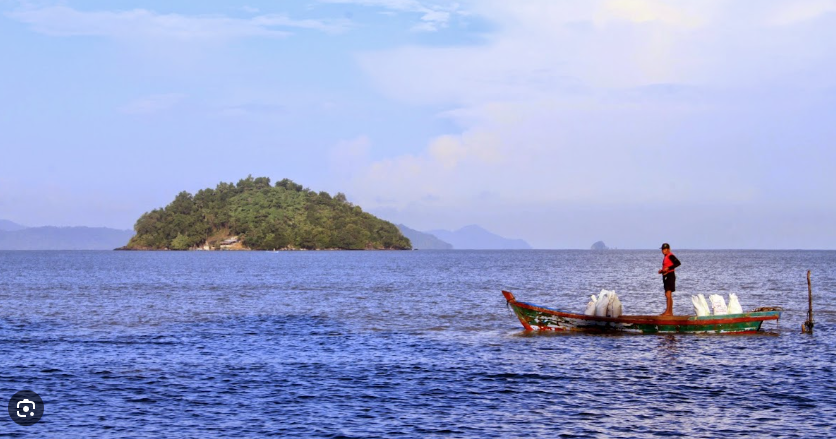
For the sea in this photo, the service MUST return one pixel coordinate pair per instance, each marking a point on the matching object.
(406, 344)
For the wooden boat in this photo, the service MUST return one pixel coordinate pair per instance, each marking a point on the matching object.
(535, 317)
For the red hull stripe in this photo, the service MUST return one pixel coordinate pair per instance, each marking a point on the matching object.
(653, 320)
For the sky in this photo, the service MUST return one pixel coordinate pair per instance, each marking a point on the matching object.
(707, 124)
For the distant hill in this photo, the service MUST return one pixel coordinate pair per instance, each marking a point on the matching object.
(8, 226)
(253, 214)
(423, 241)
(64, 238)
(474, 237)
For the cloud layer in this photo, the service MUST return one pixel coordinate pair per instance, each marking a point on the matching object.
(433, 16)
(554, 72)
(145, 24)
(566, 120)
(618, 103)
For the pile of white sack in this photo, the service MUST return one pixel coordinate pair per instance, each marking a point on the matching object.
(605, 305)
(718, 305)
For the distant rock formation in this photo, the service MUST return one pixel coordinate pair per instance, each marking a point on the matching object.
(63, 238)
(599, 246)
(474, 237)
(423, 241)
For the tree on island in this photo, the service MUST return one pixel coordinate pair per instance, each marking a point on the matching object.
(264, 217)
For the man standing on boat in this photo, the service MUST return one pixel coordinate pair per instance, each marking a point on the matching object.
(669, 264)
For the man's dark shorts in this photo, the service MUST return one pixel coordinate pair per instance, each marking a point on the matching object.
(670, 282)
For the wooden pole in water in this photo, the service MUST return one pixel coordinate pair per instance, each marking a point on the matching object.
(808, 325)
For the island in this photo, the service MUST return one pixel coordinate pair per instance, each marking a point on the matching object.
(255, 215)
(599, 246)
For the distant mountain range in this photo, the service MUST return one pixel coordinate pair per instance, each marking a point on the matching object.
(474, 237)
(423, 241)
(14, 236)
(8, 226)
(470, 237)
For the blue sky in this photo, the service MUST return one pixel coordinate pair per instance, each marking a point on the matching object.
(707, 124)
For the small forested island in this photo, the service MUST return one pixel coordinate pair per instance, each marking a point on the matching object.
(253, 215)
(599, 245)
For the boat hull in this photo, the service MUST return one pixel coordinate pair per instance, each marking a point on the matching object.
(540, 318)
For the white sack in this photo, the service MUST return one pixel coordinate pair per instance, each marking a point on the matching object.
(718, 305)
(590, 307)
(614, 308)
(734, 305)
(698, 307)
(704, 304)
(603, 303)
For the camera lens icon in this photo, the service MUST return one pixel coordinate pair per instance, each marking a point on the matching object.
(26, 408)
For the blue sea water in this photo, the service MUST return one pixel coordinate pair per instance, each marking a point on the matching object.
(405, 344)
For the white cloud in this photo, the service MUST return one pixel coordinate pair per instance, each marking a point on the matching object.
(449, 150)
(650, 11)
(153, 103)
(432, 21)
(397, 5)
(599, 101)
(430, 176)
(433, 15)
(145, 24)
(789, 13)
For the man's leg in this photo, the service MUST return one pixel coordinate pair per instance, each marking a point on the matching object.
(669, 300)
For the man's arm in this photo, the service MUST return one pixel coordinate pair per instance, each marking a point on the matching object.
(675, 262)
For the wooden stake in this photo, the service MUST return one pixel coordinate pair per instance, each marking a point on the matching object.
(808, 325)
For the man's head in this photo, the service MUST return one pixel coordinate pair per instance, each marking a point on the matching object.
(666, 248)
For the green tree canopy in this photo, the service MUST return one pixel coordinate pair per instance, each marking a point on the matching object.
(264, 217)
